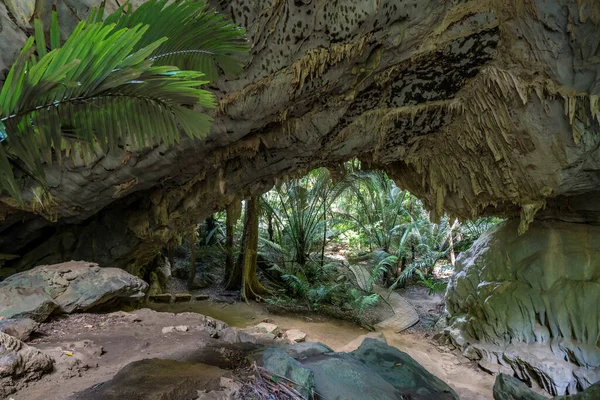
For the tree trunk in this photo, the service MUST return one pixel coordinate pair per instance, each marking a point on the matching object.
(244, 273)
(211, 224)
(192, 244)
(324, 232)
(230, 281)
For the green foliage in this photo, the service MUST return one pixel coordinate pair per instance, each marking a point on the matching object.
(362, 301)
(113, 82)
(361, 210)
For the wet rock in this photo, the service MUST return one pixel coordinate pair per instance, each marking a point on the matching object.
(20, 328)
(20, 364)
(530, 302)
(295, 335)
(155, 379)
(73, 286)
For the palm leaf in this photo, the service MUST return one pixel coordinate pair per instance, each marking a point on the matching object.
(103, 88)
(199, 38)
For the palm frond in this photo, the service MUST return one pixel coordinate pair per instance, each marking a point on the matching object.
(104, 87)
(199, 38)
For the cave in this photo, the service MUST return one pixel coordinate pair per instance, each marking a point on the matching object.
(479, 108)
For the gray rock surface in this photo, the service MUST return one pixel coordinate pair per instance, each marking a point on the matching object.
(373, 371)
(20, 328)
(67, 287)
(531, 303)
(26, 302)
(477, 108)
(155, 379)
(510, 388)
(20, 364)
(283, 365)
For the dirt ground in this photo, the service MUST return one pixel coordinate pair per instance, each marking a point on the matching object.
(107, 342)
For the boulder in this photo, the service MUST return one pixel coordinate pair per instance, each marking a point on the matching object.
(531, 303)
(67, 287)
(374, 371)
(155, 379)
(20, 364)
(267, 327)
(402, 371)
(20, 328)
(283, 365)
(25, 302)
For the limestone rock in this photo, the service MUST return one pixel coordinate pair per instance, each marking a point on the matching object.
(374, 371)
(510, 388)
(19, 364)
(402, 371)
(73, 286)
(295, 335)
(20, 328)
(531, 303)
(25, 302)
(280, 363)
(267, 327)
(155, 379)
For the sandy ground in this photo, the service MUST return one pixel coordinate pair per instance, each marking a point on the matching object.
(125, 339)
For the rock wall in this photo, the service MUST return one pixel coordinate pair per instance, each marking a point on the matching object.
(532, 303)
(478, 107)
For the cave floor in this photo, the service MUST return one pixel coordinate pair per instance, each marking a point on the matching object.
(128, 337)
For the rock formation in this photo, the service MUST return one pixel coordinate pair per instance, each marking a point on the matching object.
(509, 388)
(531, 303)
(373, 371)
(19, 364)
(65, 288)
(478, 107)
